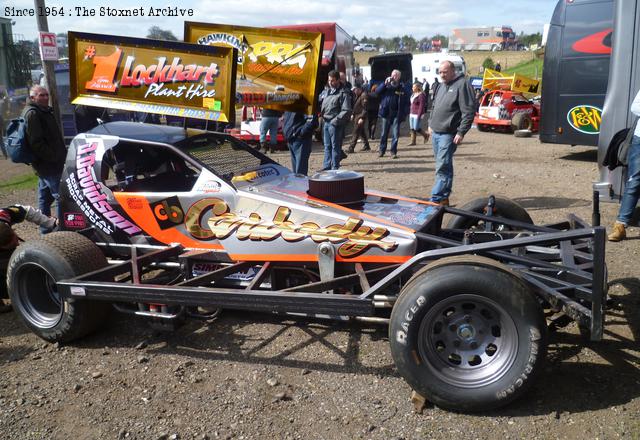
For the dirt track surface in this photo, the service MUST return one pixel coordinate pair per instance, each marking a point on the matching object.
(249, 376)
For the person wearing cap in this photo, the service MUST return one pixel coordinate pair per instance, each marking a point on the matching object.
(9, 240)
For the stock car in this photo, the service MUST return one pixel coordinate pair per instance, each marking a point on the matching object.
(507, 111)
(169, 223)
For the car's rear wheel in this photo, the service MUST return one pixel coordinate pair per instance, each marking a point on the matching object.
(468, 335)
(483, 127)
(503, 208)
(521, 121)
(34, 269)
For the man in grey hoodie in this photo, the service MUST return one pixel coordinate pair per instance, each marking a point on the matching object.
(451, 118)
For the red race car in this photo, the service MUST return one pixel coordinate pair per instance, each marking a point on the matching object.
(507, 110)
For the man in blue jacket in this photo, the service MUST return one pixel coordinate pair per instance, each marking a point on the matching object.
(394, 108)
(298, 131)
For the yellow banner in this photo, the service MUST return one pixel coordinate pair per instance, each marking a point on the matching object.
(525, 84)
(278, 67)
(163, 77)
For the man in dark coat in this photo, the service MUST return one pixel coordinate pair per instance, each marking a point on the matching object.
(394, 108)
(298, 131)
(359, 118)
(45, 140)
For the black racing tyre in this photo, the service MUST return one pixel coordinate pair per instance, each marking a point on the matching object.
(483, 127)
(468, 336)
(503, 208)
(522, 133)
(521, 121)
(33, 270)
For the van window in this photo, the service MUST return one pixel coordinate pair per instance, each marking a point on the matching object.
(583, 20)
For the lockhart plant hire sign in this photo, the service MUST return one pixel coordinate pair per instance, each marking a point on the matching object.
(152, 76)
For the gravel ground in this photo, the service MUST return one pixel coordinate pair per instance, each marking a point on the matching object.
(249, 376)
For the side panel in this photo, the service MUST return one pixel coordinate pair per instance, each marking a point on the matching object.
(624, 82)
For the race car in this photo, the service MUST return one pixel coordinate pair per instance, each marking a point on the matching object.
(508, 111)
(168, 223)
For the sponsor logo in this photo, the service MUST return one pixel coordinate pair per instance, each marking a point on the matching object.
(168, 212)
(88, 195)
(74, 220)
(252, 176)
(154, 76)
(209, 186)
(354, 238)
(585, 118)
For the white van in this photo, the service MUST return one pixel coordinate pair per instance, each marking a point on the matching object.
(426, 65)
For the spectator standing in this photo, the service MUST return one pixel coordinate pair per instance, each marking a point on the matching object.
(451, 118)
(632, 185)
(373, 106)
(359, 117)
(269, 123)
(394, 107)
(298, 131)
(9, 239)
(434, 88)
(335, 111)
(497, 67)
(418, 105)
(47, 145)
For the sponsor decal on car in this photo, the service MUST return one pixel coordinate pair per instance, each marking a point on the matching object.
(168, 212)
(208, 186)
(585, 118)
(88, 195)
(353, 236)
(253, 176)
(74, 220)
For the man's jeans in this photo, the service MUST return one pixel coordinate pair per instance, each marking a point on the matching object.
(48, 192)
(632, 186)
(443, 149)
(332, 138)
(269, 124)
(300, 152)
(392, 124)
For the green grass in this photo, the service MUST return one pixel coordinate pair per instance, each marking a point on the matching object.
(24, 181)
(528, 68)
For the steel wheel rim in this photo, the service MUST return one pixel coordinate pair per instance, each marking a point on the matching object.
(38, 299)
(468, 341)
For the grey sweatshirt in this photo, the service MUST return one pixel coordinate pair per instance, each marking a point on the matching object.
(453, 107)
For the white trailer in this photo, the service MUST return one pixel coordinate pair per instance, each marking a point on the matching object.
(427, 65)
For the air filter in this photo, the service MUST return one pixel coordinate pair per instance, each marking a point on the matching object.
(337, 186)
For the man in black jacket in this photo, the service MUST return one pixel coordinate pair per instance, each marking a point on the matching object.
(45, 140)
(298, 130)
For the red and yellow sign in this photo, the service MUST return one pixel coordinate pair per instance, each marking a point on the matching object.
(152, 76)
(280, 66)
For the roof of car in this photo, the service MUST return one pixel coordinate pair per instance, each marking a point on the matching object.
(145, 132)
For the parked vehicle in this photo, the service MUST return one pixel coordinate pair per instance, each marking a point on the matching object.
(427, 65)
(197, 221)
(508, 111)
(623, 85)
(576, 71)
(366, 47)
(483, 38)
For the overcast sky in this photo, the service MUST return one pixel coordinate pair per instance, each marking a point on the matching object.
(357, 17)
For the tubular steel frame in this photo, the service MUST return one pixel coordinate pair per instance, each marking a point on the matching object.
(562, 263)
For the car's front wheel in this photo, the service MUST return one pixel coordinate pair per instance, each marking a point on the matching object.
(467, 334)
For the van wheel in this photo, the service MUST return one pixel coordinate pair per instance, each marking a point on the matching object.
(504, 207)
(34, 269)
(521, 121)
(468, 336)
